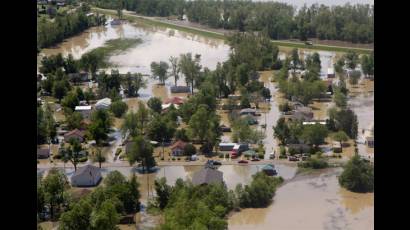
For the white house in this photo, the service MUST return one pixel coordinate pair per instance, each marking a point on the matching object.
(86, 176)
(103, 103)
(84, 110)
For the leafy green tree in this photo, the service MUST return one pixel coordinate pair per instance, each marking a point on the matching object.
(161, 129)
(354, 77)
(352, 59)
(114, 178)
(340, 99)
(98, 156)
(59, 90)
(106, 217)
(73, 152)
(142, 117)
(189, 150)
(367, 63)
(181, 134)
(118, 108)
(203, 125)
(74, 120)
(133, 83)
(159, 71)
(141, 150)
(314, 134)
(155, 104)
(46, 129)
(345, 120)
(89, 95)
(295, 59)
(130, 124)
(55, 185)
(190, 68)
(101, 122)
(163, 192)
(175, 69)
(281, 130)
(357, 176)
(78, 217)
(70, 100)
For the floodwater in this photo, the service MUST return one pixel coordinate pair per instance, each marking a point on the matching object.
(311, 202)
(300, 3)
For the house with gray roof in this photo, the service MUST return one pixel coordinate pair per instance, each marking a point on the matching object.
(207, 176)
(86, 176)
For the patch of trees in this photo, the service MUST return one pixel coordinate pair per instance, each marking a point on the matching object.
(358, 175)
(100, 209)
(343, 120)
(46, 126)
(201, 207)
(63, 26)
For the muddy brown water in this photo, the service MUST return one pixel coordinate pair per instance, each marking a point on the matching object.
(310, 203)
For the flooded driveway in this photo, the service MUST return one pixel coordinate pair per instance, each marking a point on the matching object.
(311, 202)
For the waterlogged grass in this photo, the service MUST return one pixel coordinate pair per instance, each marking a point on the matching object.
(321, 47)
(113, 47)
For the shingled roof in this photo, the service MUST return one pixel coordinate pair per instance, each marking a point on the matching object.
(207, 176)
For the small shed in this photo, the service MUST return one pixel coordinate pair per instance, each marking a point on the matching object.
(269, 170)
(86, 176)
(76, 133)
(178, 148)
(207, 176)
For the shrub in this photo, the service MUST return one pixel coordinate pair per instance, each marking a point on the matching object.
(285, 107)
(293, 151)
(118, 108)
(227, 155)
(282, 152)
(358, 175)
(178, 158)
(173, 158)
(261, 155)
(315, 163)
(189, 150)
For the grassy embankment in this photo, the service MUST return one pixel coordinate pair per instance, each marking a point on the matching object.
(220, 36)
(113, 47)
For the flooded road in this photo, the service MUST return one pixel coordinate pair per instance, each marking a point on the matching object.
(311, 202)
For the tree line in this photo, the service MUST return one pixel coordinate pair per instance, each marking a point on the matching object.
(353, 23)
(51, 32)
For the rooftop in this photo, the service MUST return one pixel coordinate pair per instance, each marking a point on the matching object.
(207, 176)
(84, 107)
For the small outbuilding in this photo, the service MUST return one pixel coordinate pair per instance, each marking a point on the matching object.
(104, 103)
(207, 176)
(330, 73)
(86, 176)
(43, 152)
(84, 110)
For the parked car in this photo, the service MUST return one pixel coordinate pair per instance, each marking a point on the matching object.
(243, 162)
(293, 158)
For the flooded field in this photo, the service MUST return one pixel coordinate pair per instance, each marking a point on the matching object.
(310, 202)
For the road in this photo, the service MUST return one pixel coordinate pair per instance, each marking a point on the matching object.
(283, 43)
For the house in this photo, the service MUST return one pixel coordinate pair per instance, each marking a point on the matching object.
(299, 148)
(269, 170)
(86, 176)
(178, 148)
(303, 114)
(249, 153)
(240, 148)
(82, 76)
(76, 133)
(174, 100)
(180, 89)
(115, 22)
(248, 111)
(43, 152)
(207, 176)
(104, 103)
(330, 72)
(84, 110)
(226, 146)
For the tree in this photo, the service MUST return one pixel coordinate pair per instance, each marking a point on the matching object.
(89, 95)
(155, 104)
(59, 90)
(161, 128)
(351, 59)
(202, 124)
(73, 152)
(189, 150)
(70, 100)
(100, 125)
(354, 77)
(74, 120)
(190, 68)
(130, 124)
(163, 192)
(340, 136)
(180, 134)
(345, 120)
(78, 217)
(114, 178)
(133, 83)
(367, 63)
(118, 108)
(314, 134)
(106, 217)
(281, 130)
(340, 99)
(142, 117)
(295, 59)
(358, 175)
(340, 63)
(46, 129)
(98, 156)
(141, 150)
(174, 69)
(159, 71)
(54, 185)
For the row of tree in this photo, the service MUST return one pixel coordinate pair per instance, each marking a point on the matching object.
(51, 32)
(354, 23)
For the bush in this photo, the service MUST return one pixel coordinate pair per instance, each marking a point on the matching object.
(293, 151)
(189, 150)
(314, 163)
(173, 158)
(358, 175)
(261, 155)
(282, 153)
(221, 155)
(118, 108)
(178, 158)
(285, 107)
